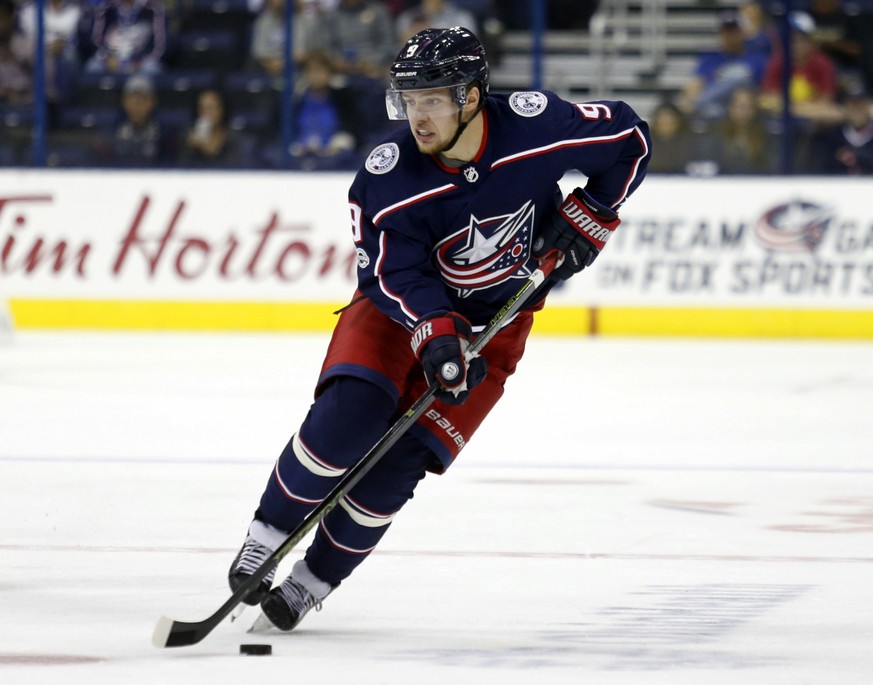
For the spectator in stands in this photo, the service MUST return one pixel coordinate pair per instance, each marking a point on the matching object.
(813, 88)
(672, 140)
(61, 19)
(433, 14)
(718, 73)
(211, 143)
(129, 37)
(758, 31)
(741, 143)
(839, 35)
(16, 87)
(268, 33)
(325, 117)
(358, 34)
(268, 36)
(862, 24)
(138, 141)
(848, 149)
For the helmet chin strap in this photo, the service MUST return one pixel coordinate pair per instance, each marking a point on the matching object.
(462, 125)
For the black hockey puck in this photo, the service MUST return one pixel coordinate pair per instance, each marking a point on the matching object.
(256, 650)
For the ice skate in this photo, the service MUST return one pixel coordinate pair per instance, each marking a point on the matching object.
(286, 605)
(261, 541)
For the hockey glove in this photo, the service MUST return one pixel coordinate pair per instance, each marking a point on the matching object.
(439, 342)
(579, 229)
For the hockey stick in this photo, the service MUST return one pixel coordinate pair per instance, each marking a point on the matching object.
(170, 633)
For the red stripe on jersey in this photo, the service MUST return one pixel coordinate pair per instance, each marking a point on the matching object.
(383, 286)
(561, 144)
(411, 201)
(636, 168)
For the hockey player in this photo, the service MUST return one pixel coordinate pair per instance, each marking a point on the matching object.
(446, 216)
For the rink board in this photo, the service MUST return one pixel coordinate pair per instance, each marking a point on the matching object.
(556, 320)
(273, 252)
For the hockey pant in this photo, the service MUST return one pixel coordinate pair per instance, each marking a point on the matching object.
(332, 438)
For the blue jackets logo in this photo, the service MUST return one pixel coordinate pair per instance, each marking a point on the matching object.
(488, 251)
(796, 226)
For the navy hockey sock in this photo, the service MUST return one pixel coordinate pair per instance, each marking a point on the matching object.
(346, 419)
(352, 530)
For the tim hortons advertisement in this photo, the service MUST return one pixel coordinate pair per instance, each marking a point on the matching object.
(176, 236)
(287, 237)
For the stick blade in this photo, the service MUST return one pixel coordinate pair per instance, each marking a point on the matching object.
(162, 631)
(170, 633)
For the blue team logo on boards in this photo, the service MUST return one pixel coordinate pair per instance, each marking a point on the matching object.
(488, 251)
(796, 226)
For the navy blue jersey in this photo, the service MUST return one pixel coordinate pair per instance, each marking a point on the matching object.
(432, 238)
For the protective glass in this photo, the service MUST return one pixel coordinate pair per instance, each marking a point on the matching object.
(432, 103)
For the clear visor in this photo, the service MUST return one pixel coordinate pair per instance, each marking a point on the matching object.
(429, 103)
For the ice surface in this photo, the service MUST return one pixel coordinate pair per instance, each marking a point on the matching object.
(634, 511)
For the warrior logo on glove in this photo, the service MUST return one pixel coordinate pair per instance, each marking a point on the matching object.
(579, 229)
(585, 223)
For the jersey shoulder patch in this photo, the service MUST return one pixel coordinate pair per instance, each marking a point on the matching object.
(383, 158)
(528, 103)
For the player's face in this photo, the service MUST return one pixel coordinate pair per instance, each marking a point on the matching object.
(433, 118)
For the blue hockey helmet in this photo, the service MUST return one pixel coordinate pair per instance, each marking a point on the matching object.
(438, 58)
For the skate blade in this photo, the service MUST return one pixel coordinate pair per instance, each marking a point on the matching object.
(262, 625)
(240, 608)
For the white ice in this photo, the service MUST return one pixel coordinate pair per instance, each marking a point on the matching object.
(633, 512)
